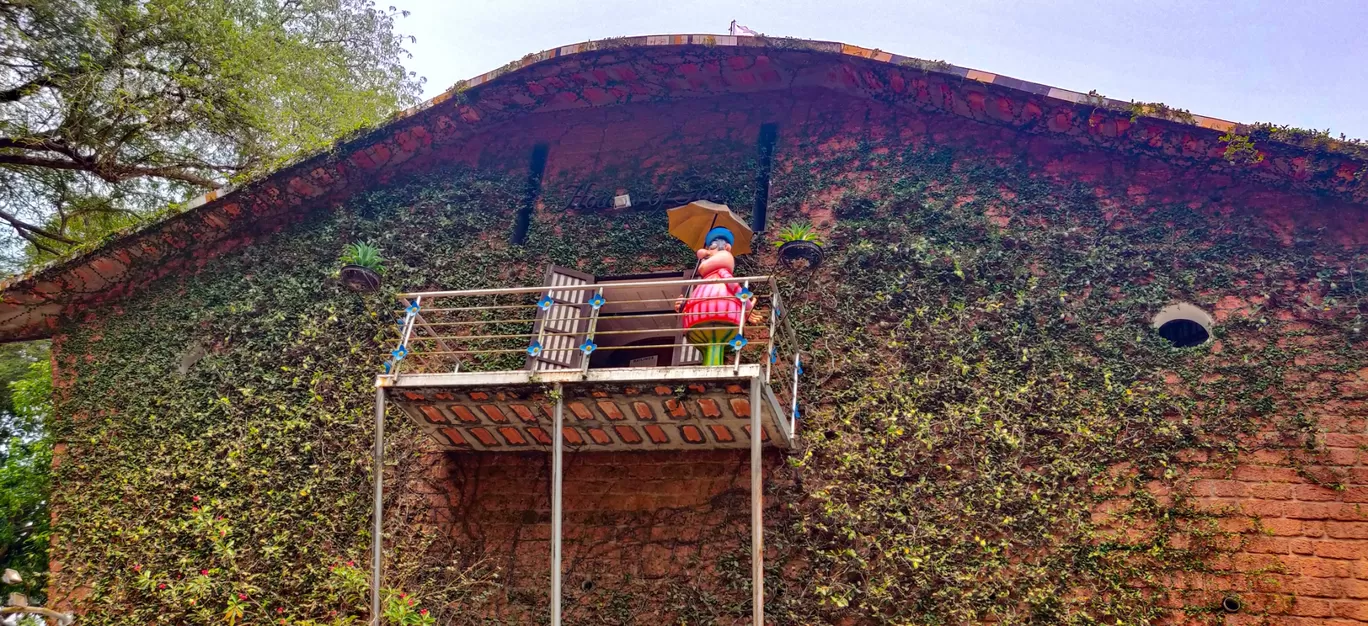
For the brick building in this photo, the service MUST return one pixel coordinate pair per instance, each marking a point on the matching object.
(1067, 358)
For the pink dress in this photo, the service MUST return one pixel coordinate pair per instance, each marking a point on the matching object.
(715, 302)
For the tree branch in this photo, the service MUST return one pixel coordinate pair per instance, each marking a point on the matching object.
(15, 94)
(27, 231)
(110, 173)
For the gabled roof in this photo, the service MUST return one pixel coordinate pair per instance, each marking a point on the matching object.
(618, 71)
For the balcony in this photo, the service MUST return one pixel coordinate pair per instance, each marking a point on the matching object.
(482, 370)
(595, 364)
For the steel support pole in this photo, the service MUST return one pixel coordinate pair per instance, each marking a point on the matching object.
(377, 507)
(557, 470)
(757, 511)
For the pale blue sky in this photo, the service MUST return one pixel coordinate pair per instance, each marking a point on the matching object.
(1298, 62)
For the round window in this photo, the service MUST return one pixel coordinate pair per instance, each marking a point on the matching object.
(1184, 325)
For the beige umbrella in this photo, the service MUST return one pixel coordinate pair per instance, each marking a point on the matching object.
(691, 223)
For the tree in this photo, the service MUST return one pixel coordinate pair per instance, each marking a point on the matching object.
(111, 109)
(25, 470)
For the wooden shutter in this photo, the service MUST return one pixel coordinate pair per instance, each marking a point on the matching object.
(685, 354)
(567, 321)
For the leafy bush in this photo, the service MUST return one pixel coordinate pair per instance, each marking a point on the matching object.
(364, 255)
(797, 231)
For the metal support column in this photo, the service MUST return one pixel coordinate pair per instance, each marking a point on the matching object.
(557, 469)
(377, 510)
(757, 510)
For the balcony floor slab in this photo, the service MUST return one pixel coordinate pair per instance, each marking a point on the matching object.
(656, 408)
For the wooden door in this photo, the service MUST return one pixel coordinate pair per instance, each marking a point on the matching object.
(566, 321)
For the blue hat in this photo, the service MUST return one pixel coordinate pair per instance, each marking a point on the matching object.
(719, 232)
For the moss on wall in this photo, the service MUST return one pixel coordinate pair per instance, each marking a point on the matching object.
(992, 429)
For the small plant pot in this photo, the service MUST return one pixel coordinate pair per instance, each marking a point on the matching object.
(359, 278)
(801, 254)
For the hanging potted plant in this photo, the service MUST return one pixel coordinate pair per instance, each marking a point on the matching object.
(799, 246)
(361, 267)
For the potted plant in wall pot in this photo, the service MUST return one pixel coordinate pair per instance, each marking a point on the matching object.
(799, 246)
(361, 267)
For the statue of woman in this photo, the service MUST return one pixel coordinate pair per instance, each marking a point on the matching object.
(712, 313)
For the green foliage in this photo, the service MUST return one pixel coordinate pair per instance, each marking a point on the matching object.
(113, 110)
(992, 430)
(1161, 111)
(25, 475)
(1240, 149)
(16, 360)
(403, 610)
(1006, 437)
(1311, 139)
(797, 231)
(937, 65)
(364, 255)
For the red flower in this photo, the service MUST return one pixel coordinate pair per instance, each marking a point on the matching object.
(351, 563)
(242, 596)
(137, 568)
(195, 498)
(161, 585)
(194, 509)
(280, 609)
(204, 572)
(423, 612)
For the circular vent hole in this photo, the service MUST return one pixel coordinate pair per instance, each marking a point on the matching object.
(1184, 333)
(1231, 604)
(1184, 325)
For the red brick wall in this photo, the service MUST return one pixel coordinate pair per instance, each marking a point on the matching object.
(678, 523)
(1304, 554)
(1304, 549)
(661, 519)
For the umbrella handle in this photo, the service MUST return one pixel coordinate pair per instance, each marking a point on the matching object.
(688, 289)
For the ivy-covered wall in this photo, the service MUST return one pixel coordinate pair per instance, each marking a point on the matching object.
(992, 430)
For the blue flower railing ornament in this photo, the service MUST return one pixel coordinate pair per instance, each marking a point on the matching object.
(597, 301)
(737, 343)
(535, 349)
(399, 353)
(545, 303)
(744, 295)
(588, 347)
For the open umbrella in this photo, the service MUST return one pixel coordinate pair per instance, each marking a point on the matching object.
(691, 223)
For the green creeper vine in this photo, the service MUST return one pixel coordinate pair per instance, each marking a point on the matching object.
(991, 429)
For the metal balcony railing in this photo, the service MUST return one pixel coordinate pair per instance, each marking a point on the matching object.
(589, 364)
(627, 329)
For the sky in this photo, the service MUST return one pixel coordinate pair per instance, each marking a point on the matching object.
(1298, 62)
